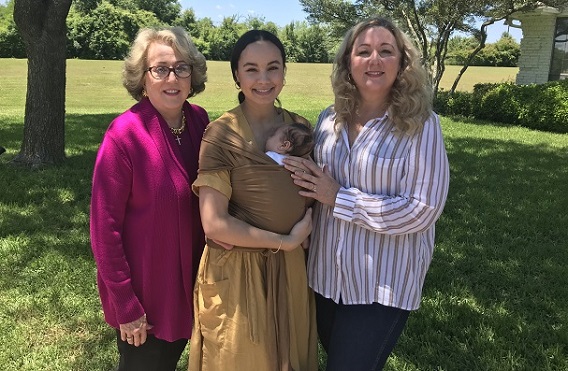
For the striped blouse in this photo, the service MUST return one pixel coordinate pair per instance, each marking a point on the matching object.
(376, 244)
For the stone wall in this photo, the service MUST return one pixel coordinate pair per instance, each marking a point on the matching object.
(536, 44)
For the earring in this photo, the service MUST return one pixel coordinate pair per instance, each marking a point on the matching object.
(144, 93)
(237, 85)
(350, 79)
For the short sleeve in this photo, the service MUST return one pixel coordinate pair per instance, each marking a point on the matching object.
(219, 180)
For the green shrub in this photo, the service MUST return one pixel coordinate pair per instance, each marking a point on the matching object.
(11, 43)
(536, 106)
(547, 107)
(499, 104)
(453, 104)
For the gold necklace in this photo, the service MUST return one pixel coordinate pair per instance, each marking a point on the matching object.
(177, 132)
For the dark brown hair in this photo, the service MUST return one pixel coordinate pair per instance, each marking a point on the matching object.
(300, 137)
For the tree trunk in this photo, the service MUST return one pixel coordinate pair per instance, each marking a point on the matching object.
(483, 35)
(42, 26)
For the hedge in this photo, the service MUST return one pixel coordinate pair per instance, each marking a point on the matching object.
(536, 106)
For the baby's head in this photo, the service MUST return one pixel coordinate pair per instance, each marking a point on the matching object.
(295, 139)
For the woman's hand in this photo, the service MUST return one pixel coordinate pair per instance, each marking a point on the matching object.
(135, 332)
(222, 227)
(318, 183)
(299, 233)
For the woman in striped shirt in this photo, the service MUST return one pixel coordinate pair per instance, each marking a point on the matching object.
(381, 178)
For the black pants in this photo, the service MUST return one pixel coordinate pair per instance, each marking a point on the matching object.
(358, 337)
(154, 355)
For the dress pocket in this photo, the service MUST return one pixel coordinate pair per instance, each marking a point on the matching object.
(213, 299)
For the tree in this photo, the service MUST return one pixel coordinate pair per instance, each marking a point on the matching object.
(223, 38)
(429, 22)
(340, 15)
(85, 6)
(508, 51)
(11, 43)
(312, 43)
(202, 32)
(290, 41)
(186, 20)
(43, 29)
(106, 32)
(459, 48)
(165, 10)
(259, 23)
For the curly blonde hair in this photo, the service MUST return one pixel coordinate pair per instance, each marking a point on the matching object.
(136, 63)
(410, 100)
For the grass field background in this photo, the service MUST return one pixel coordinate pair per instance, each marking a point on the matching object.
(494, 299)
(307, 85)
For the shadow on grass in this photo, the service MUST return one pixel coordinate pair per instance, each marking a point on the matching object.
(46, 261)
(496, 293)
(495, 297)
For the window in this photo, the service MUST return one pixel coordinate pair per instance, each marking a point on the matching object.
(559, 64)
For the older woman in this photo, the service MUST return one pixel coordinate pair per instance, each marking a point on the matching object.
(146, 231)
(383, 185)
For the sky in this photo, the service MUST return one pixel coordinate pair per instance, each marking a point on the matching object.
(282, 12)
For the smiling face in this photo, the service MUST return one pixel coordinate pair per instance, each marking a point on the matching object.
(260, 72)
(169, 94)
(375, 62)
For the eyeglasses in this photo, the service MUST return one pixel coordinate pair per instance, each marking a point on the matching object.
(183, 71)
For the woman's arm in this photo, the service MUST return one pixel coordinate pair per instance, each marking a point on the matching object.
(415, 207)
(111, 185)
(220, 226)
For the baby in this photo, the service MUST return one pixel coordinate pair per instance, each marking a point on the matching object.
(294, 140)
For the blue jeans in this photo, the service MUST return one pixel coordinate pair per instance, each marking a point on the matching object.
(154, 355)
(358, 337)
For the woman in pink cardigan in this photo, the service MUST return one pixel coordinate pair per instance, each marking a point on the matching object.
(146, 231)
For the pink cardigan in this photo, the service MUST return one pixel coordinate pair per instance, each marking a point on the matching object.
(146, 232)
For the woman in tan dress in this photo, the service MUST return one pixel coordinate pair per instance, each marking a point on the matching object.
(253, 308)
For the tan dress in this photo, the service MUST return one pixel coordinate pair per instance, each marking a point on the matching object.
(253, 309)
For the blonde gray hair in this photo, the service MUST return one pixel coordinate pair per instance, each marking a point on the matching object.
(136, 63)
(410, 100)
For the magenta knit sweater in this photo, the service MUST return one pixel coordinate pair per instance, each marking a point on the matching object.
(146, 232)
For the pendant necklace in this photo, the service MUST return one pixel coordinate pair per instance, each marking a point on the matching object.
(177, 132)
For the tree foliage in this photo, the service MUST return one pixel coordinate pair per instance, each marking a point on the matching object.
(312, 45)
(11, 43)
(165, 10)
(50, 31)
(103, 29)
(505, 52)
(106, 32)
(223, 38)
(430, 23)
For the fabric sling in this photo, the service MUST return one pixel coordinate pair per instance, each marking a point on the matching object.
(263, 195)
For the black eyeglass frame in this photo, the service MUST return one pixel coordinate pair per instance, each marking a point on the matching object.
(170, 70)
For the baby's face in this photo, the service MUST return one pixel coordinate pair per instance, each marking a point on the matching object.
(274, 143)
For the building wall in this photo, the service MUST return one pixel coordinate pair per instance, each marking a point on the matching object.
(536, 47)
(536, 44)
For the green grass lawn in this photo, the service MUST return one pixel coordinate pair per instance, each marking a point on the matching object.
(495, 296)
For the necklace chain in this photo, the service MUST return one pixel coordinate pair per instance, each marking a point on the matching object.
(177, 132)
